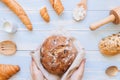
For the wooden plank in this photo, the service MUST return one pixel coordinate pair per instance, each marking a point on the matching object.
(65, 20)
(95, 67)
(31, 40)
(69, 5)
(27, 41)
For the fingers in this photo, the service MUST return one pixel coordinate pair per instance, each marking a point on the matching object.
(35, 72)
(31, 67)
(32, 71)
(80, 70)
(34, 66)
(78, 74)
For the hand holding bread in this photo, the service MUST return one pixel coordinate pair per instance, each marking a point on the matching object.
(60, 57)
(76, 74)
(35, 72)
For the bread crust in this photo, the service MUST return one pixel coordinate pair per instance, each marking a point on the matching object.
(57, 54)
(44, 14)
(19, 11)
(110, 45)
(7, 71)
(57, 6)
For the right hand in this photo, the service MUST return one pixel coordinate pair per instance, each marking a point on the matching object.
(78, 74)
(35, 72)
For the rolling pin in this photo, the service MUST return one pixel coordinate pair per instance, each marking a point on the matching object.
(114, 17)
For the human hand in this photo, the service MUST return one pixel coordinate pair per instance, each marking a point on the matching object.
(78, 74)
(35, 72)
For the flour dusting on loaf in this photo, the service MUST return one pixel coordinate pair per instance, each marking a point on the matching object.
(57, 54)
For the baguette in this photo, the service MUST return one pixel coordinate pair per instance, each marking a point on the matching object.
(57, 6)
(18, 10)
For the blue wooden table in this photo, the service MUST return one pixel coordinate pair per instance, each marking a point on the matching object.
(27, 41)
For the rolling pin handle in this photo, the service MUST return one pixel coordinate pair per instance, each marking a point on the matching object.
(96, 25)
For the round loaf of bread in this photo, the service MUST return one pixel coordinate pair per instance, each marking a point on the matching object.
(57, 54)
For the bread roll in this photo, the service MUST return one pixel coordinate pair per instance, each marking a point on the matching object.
(110, 45)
